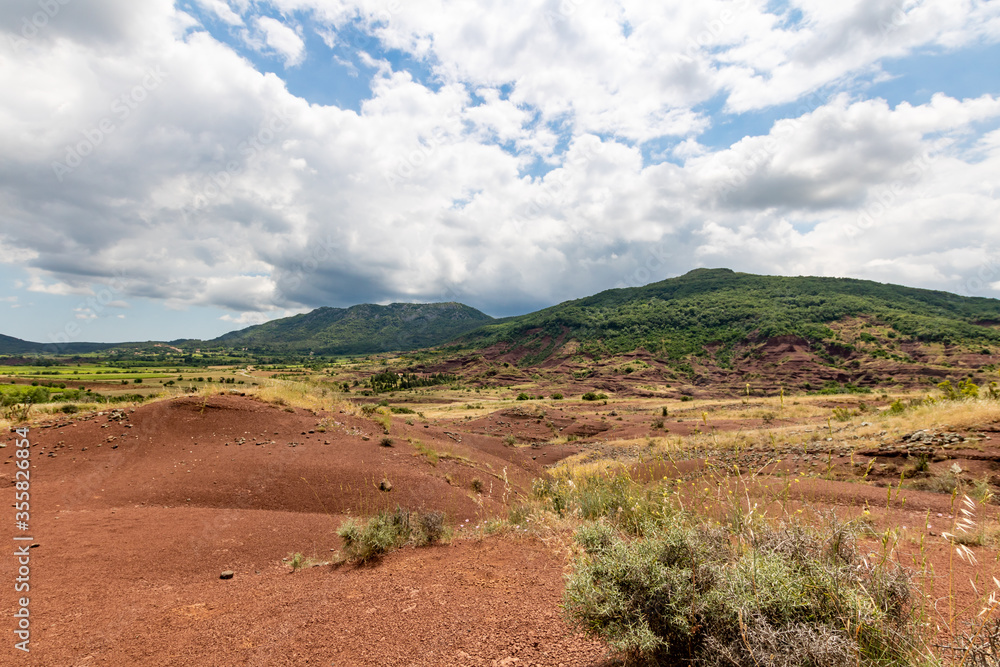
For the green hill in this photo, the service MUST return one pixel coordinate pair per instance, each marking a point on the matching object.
(362, 329)
(11, 345)
(721, 309)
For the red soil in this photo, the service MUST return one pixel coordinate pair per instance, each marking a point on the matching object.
(136, 513)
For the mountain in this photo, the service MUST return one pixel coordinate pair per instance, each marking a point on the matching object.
(362, 329)
(11, 345)
(720, 310)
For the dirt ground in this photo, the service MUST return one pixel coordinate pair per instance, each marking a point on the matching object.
(136, 512)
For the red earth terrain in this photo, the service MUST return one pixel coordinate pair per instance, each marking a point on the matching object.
(136, 512)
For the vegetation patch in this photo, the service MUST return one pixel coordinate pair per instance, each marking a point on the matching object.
(390, 530)
(742, 595)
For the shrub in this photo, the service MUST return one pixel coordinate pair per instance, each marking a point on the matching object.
(70, 408)
(897, 407)
(430, 528)
(390, 530)
(476, 485)
(594, 396)
(775, 597)
(382, 533)
(556, 396)
(386, 442)
(842, 414)
(523, 397)
(297, 561)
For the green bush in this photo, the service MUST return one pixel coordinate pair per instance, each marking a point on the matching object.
(556, 396)
(782, 596)
(389, 530)
(842, 414)
(523, 397)
(594, 396)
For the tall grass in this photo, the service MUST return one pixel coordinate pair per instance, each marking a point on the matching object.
(666, 585)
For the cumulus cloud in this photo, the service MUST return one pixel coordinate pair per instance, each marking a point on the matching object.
(515, 175)
(222, 11)
(280, 38)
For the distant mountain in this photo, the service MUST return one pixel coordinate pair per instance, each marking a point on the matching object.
(719, 309)
(11, 345)
(362, 329)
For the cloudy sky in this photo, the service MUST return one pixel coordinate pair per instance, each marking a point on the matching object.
(182, 169)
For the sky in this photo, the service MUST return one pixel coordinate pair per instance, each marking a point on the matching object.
(183, 169)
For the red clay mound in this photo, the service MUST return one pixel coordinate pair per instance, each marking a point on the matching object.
(136, 513)
(232, 452)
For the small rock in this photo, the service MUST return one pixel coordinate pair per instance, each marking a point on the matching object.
(227, 574)
(385, 485)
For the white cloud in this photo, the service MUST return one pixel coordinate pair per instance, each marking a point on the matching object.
(250, 318)
(222, 189)
(223, 11)
(282, 39)
(38, 284)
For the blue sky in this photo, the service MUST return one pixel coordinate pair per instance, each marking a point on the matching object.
(293, 154)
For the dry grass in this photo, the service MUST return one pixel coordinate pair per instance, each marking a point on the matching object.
(951, 414)
(279, 392)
